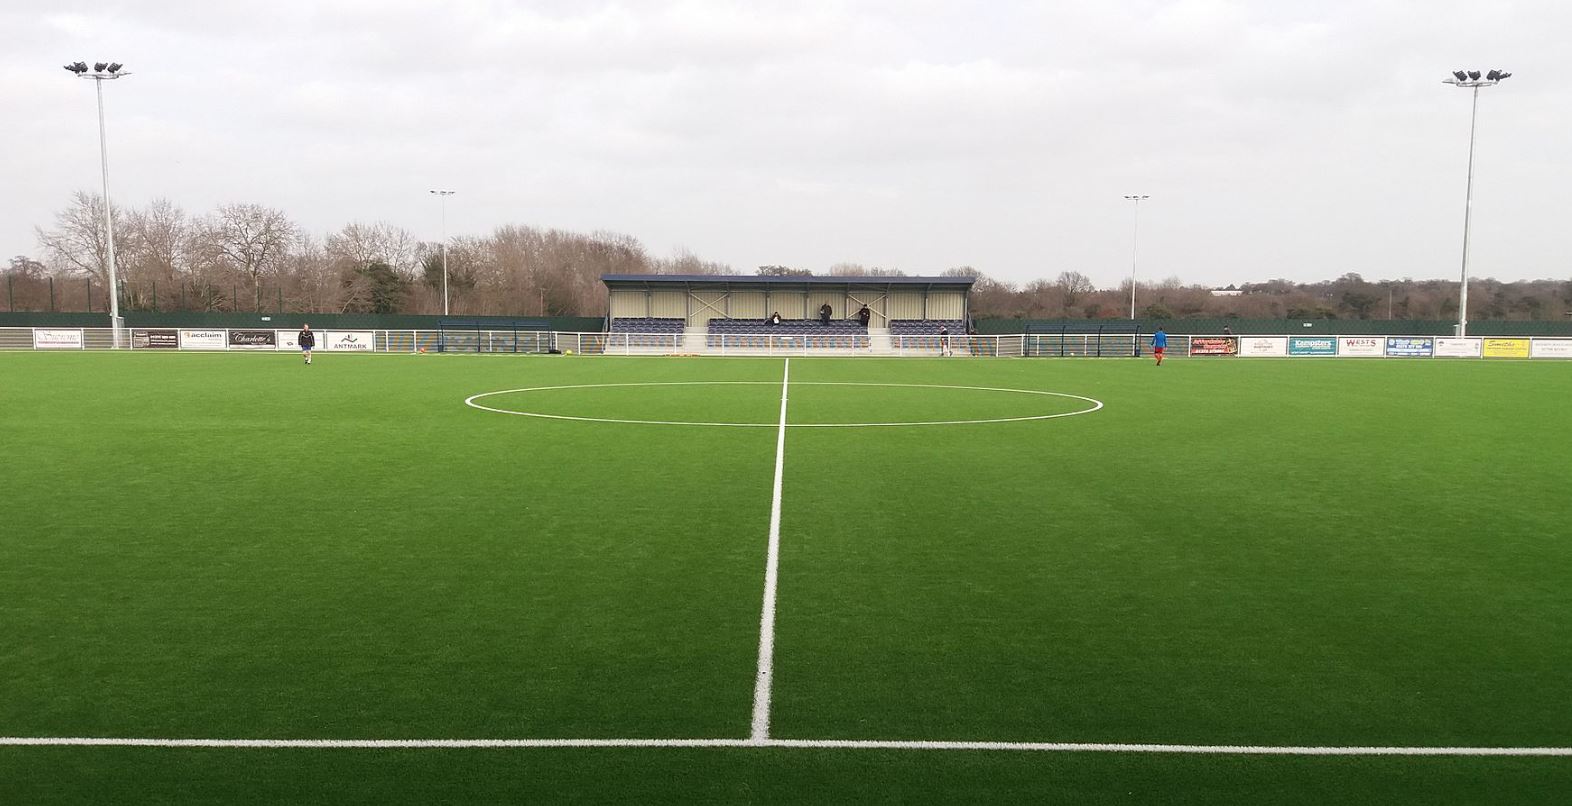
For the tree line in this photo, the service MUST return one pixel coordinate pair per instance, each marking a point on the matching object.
(249, 257)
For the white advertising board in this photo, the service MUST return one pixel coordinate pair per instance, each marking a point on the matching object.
(1551, 348)
(289, 340)
(1374, 346)
(204, 340)
(1457, 348)
(348, 341)
(57, 339)
(1263, 346)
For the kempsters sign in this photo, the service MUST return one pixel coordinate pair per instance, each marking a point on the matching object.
(252, 340)
(155, 339)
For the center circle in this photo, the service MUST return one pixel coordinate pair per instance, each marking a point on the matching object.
(1086, 405)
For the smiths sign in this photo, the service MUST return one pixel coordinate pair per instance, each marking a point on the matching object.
(349, 341)
(155, 339)
(252, 340)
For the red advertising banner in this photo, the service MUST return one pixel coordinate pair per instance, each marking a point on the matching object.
(1214, 345)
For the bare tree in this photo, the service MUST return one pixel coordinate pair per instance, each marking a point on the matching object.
(76, 244)
(253, 240)
(1073, 286)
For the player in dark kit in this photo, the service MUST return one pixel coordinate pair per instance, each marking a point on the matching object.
(307, 340)
(1159, 345)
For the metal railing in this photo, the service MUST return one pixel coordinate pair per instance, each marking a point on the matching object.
(772, 344)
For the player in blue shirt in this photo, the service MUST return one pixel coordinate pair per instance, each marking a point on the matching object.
(1159, 345)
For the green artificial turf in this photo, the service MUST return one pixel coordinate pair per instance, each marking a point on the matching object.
(1267, 552)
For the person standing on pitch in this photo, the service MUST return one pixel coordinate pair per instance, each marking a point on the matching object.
(306, 340)
(1159, 345)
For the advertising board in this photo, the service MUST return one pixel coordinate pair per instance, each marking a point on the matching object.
(288, 339)
(1505, 348)
(1312, 345)
(1263, 345)
(348, 341)
(1410, 346)
(1361, 346)
(57, 339)
(253, 340)
(1457, 348)
(155, 339)
(203, 340)
(1214, 345)
(1552, 348)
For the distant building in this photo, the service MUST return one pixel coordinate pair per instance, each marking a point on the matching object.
(1230, 291)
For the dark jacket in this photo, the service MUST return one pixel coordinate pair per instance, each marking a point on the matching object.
(308, 338)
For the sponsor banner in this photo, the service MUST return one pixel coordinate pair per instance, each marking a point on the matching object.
(252, 340)
(347, 341)
(1505, 348)
(288, 339)
(1214, 345)
(1312, 345)
(1457, 348)
(155, 339)
(203, 340)
(1410, 346)
(55, 339)
(1263, 345)
(1552, 348)
(1361, 346)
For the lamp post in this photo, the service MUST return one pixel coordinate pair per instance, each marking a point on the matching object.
(1135, 237)
(1470, 79)
(444, 194)
(99, 73)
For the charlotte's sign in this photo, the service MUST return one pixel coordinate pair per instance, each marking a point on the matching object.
(252, 340)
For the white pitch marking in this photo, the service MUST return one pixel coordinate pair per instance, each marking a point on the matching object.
(470, 401)
(791, 744)
(766, 673)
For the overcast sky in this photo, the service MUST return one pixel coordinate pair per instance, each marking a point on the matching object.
(1276, 139)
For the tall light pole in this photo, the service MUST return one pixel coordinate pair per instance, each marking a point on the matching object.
(99, 73)
(1135, 240)
(1470, 79)
(444, 194)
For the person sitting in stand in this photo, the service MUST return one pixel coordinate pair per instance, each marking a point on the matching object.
(775, 318)
(863, 315)
(824, 313)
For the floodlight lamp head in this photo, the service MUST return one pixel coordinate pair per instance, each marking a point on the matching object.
(98, 67)
(1502, 75)
(1461, 76)
(1474, 75)
(114, 67)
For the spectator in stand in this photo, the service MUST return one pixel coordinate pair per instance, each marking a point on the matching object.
(863, 315)
(775, 318)
(824, 313)
(944, 340)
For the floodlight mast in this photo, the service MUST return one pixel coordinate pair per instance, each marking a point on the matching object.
(1135, 239)
(99, 73)
(1470, 79)
(444, 194)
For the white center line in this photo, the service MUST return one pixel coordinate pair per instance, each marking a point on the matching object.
(766, 673)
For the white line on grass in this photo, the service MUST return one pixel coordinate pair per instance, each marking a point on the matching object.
(789, 744)
(766, 673)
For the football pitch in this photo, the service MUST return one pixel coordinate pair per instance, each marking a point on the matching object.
(419, 578)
